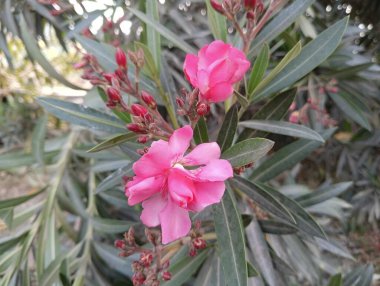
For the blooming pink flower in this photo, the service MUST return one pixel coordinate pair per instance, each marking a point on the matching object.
(168, 189)
(215, 70)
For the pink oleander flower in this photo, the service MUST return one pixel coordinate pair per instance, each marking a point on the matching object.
(170, 184)
(215, 70)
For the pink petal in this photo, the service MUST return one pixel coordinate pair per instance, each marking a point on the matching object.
(202, 154)
(242, 67)
(206, 193)
(190, 68)
(180, 187)
(139, 190)
(175, 222)
(180, 140)
(217, 50)
(219, 92)
(203, 81)
(221, 71)
(215, 170)
(156, 161)
(150, 215)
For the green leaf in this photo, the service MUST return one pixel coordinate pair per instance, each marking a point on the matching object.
(17, 201)
(38, 139)
(113, 141)
(361, 276)
(185, 268)
(35, 53)
(275, 109)
(323, 194)
(165, 32)
(211, 272)
(153, 37)
(6, 215)
(304, 221)
(217, 23)
(150, 66)
(289, 57)
(311, 56)
(20, 159)
(82, 115)
(352, 107)
(51, 273)
(259, 68)
(230, 236)
(283, 128)
(126, 117)
(227, 131)
(287, 157)
(277, 227)
(348, 71)
(247, 151)
(114, 179)
(200, 131)
(280, 23)
(263, 198)
(110, 225)
(336, 280)
(252, 272)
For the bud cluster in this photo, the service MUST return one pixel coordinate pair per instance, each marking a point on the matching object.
(197, 242)
(189, 105)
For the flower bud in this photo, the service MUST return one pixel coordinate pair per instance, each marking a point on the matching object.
(143, 139)
(121, 58)
(148, 99)
(137, 128)
(137, 266)
(120, 244)
(146, 258)
(180, 102)
(166, 276)
(217, 6)
(113, 95)
(138, 279)
(250, 4)
(294, 117)
(199, 243)
(138, 110)
(203, 108)
(251, 15)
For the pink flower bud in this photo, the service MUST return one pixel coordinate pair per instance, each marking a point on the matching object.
(218, 7)
(166, 276)
(143, 139)
(109, 77)
(251, 15)
(113, 95)
(120, 244)
(146, 258)
(137, 128)
(294, 117)
(148, 99)
(250, 4)
(121, 58)
(199, 243)
(138, 110)
(203, 108)
(138, 279)
(180, 102)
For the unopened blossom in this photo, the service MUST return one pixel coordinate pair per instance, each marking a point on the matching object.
(216, 68)
(170, 183)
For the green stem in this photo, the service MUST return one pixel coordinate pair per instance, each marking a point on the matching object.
(168, 106)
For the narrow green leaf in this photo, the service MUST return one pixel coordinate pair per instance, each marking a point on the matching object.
(231, 245)
(35, 53)
(211, 272)
(154, 38)
(114, 179)
(200, 131)
(51, 273)
(348, 71)
(311, 56)
(217, 23)
(275, 109)
(165, 32)
(277, 227)
(252, 272)
(280, 23)
(259, 68)
(18, 200)
(336, 280)
(82, 115)
(113, 141)
(110, 225)
(227, 131)
(323, 194)
(247, 151)
(288, 58)
(352, 107)
(283, 128)
(304, 221)
(263, 198)
(6, 215)
(38, 139)
(287, 157)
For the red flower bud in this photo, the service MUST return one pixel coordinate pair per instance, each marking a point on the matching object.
(148, 99)
(250, 4)
(113, 95)
(143, 139)
(180, 102)
(121, 58)
(109, 77)
(199, 243)
(146, 258)
(138, 279)
(218, 7)
(250, 15)
(138, 110)
(120, 244)
(166, 275)
(137, 128)
(203, 108)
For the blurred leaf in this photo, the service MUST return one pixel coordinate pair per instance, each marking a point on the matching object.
(126, 117)
(348, 71)
(258, 69)
(5, 50)
(165, 32)
(361, 276)
(114, 141)
(287, 157)
(280, 23)
(217, 23)
(35, 53)
(82, 115)
(18, 200)
(84, 23)
(336, 280)
(277, 227)
(323, 194)
(311, 56)
(185, 268)
(230, 237)
(6, 215)
(200, 131)
(252, 272)
(247, 151)
(51, 273)
(110, 225)
(352, 107)
(38, 139)
(153, 37)
(114, 179)
(283, 128)
(227, 131)
(287, 59)
(8, 19)
(20, 159)
(211, 273)
(263, 198)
